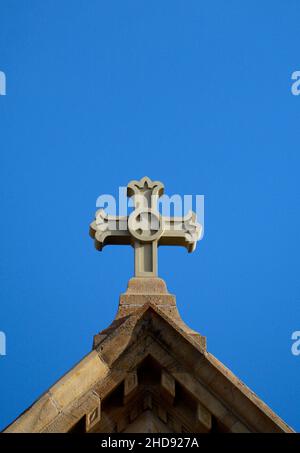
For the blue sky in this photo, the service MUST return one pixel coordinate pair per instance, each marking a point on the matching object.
(196, 94)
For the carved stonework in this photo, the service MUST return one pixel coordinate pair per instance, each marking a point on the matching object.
(148, 371)
(145, 228)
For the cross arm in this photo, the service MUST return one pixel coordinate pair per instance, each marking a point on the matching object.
(183, 231)
(106, 229)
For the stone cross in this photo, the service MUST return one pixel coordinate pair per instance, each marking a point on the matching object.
(145, 228)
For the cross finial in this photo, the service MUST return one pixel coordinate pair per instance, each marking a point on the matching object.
(145, 228)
